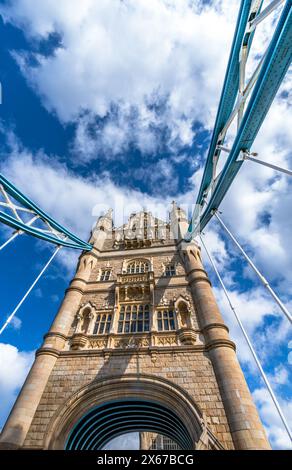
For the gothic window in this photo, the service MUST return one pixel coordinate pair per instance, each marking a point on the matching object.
(138, 266)
(169, 270)
(105, 275)
(165, 320)
(102, 323)
(133, 319)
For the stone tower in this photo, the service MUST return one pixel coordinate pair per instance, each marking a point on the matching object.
(138, 345)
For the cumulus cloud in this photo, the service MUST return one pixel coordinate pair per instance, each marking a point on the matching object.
(124, 70)
(73, 200)
(128, 441)
(274, 427)
(14, 366)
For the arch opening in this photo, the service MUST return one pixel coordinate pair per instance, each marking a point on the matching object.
(107, 421)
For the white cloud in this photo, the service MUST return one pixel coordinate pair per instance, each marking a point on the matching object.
(281, 375)
(140, 65)
(14, 366)
(128, 441)
(16, 323)
(273, 424)
(73, 200)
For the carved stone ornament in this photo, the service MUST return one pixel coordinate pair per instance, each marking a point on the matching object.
(164, 301)
(187, 336)
(127, 343)
(154, 357)
(167, 340)
(106, 305)
(97, 343)
(78, 341)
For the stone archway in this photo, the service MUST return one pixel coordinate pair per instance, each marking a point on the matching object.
(166, 401)
(115, 418)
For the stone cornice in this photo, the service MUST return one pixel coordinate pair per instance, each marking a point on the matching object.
(111, 287)
(197, 270)
(79, 279)
(220, 343)
(200, 278)
(44, 351)
(72, 288)
(134, 351)
(54, 334)
(170, 248)
(215, 325)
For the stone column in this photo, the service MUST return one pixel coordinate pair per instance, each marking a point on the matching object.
(245, 426)
(144, 440)
(21, 416)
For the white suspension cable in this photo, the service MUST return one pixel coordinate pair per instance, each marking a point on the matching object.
(18, 232)
(9, 240)
(261, 277)
(9, 319)
(276, 403)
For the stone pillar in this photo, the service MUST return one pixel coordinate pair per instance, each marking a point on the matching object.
(245, 426)
(22, 413)
(145, 440)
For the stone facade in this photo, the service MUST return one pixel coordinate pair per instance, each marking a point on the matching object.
(138, 320)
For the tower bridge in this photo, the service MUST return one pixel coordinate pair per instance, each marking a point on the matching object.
(139, 343)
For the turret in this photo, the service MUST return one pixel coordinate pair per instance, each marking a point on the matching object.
(102, 230)
(178, 222)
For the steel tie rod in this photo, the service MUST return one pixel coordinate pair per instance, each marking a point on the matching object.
(251, 157)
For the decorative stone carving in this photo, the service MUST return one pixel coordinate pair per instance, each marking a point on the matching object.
(78, 341)
(169, 340)
(164, 301)
(127, 343)
(187, 336)
(106, 305)
(154, 357)
(97, 343)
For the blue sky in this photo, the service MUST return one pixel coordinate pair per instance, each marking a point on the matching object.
(114, 105)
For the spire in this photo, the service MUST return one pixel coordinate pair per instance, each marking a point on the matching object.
(103, 229)
(105, 221)
(178, 221)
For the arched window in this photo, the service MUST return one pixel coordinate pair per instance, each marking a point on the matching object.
(166, 320)
(133, 319)
(138, 266)
(102, 324)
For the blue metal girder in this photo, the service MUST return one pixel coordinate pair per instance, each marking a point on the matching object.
(274, 68)
(71, 242)
(229, 94)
